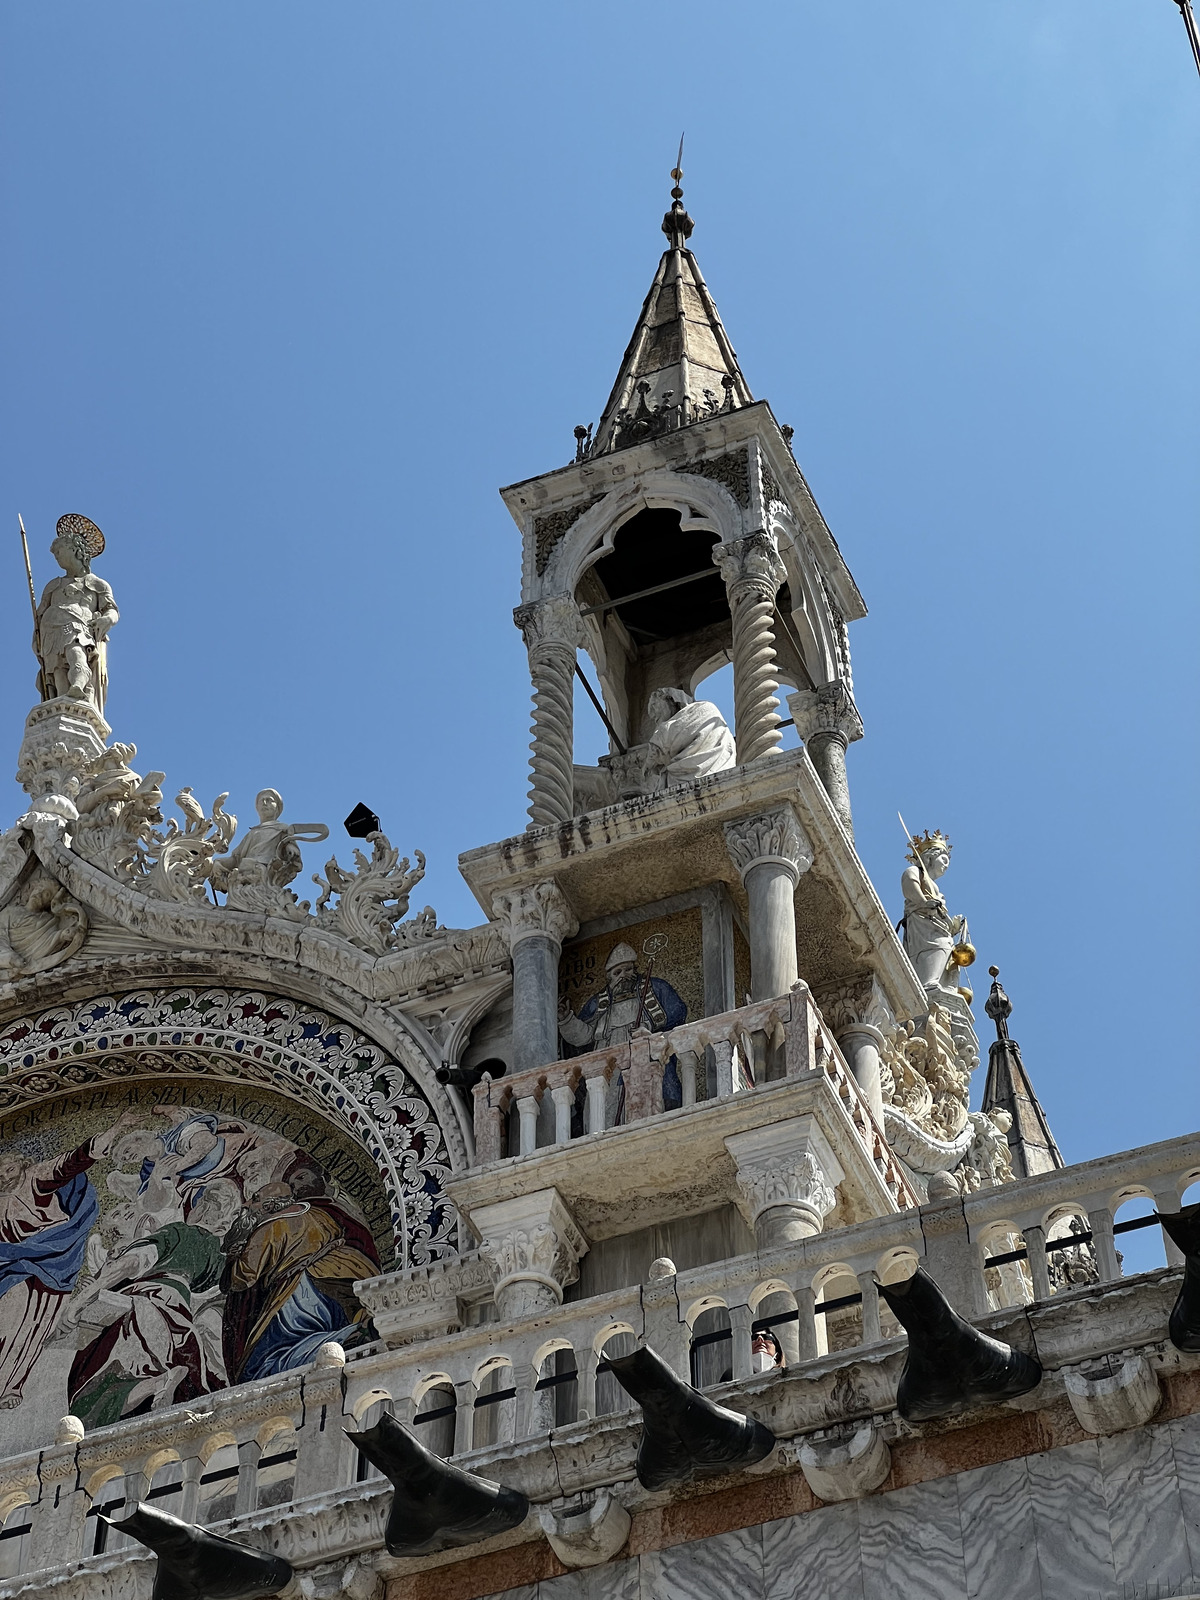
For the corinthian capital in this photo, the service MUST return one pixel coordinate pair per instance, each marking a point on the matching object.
(533, 1249)
(535, 908)
(860, 1003)
(771, 836)
(796, 1180)
(554, 621)
(827, 710)
(750, 566)
(787, 1178)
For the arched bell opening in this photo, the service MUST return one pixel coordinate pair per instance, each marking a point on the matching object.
(655, 606)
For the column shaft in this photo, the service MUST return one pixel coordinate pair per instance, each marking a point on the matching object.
(551, 776)
(535, 1000)
(770, 886)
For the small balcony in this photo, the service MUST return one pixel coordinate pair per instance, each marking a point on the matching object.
(642, 1132)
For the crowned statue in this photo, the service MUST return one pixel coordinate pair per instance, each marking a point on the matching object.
(73, 619)
(936, 942)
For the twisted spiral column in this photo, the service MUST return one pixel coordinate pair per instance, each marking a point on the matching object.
(551, 776)
(753, 572)
(552, 632)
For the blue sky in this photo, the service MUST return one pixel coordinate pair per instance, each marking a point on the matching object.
(289, 290)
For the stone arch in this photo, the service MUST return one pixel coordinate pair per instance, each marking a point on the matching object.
(250, 1036)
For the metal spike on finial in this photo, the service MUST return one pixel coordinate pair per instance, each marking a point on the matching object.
(998, 1006)
(677, 225)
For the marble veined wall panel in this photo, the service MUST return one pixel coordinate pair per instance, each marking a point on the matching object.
(1106, 1519)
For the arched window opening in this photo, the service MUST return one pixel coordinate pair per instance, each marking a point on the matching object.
(558, 1382)
(166, 1486)
(495, 1408)
(368, 1414)
(777, 1315)
(14, 1540)
(1070, 1254)
(219, 1483)
(1007, 1276)
(611, 1399)
(839, 1312)
(108, 1499)
(1138, 1237)
(712, 1348)
(276, 1475)
(434, 1419)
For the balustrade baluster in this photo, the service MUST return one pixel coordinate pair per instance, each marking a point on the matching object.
(1101, 1223)
(564, 1103)
(688, 1065)
(871, 1331)
(527, 1110)
(597, 1101)
(722, 1050)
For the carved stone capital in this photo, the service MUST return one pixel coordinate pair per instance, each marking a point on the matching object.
(62, 739)
(751, 567)
(533, 1249)
(787, 1178)
(550, 623)
(828, 711)
(535, 908)
(774, 836)
(859, 1005)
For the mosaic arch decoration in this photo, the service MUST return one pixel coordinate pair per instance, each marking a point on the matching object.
(306, 1054)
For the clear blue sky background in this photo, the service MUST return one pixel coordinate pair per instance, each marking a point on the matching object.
(289, 290)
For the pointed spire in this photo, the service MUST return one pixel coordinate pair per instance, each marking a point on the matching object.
(1008, 1089)
(679, 367)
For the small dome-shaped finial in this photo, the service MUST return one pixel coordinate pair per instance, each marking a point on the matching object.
(677, 225)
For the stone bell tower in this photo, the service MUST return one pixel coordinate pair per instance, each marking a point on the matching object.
(683, 535)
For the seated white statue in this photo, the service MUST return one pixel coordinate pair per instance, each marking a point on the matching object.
(691, 738)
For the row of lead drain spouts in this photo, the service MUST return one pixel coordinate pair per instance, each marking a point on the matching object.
(950, 1367)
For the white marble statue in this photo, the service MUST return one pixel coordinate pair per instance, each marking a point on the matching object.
(254, 875)
(74, 617)
(691, 739)
(40, 927)
(930, 932)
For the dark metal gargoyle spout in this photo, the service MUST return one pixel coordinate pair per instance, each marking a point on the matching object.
(436, 1506)
(1184, 1228)
(194, 1564)
(683, 1434)
(951, 1366)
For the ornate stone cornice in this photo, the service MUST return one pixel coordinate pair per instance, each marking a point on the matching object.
(829, 710)
(535, 908)
(772, 836)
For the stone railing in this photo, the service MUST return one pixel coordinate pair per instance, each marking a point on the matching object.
(654, 1074)
(242, 1456)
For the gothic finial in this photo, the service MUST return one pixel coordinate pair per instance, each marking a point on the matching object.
(677, 225)
(998, 1006)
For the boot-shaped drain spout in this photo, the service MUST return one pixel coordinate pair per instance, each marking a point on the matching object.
(194, 1564)
(951, 1366)
(1184, 1229)
(683, 1434)
(436, 1506)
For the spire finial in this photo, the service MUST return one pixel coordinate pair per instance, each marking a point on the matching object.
(998, 1006)
(677, 225)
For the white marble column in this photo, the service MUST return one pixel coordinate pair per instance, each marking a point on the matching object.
(535, 921)
(859, 1016)
(553, 632)
(770, 851)
(753, 571)
(533, 1249)
(787, 1178)
(828, 721)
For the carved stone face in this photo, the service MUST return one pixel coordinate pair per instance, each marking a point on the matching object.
(936, 861)
(66, 553)
(269, 805)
